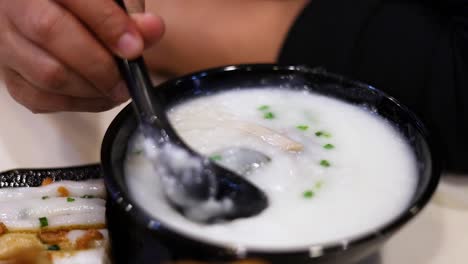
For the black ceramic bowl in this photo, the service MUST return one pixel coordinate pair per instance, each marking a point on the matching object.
(139, 238)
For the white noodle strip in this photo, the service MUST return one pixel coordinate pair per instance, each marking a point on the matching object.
(33, 209)
(95, 188)
(59, 221)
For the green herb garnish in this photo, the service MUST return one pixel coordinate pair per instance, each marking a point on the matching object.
(308, 194)
(266, 113)
(216, 158)
(87, 196)
(43, 221)
(323, 134)
(70, 200)
(302, 127)
(328, 146)
(45, 197)
(269, 115)
(318, 185)
(325, 163)
(53, 248)
(263, 108)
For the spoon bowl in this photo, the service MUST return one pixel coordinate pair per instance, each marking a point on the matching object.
(240, 159)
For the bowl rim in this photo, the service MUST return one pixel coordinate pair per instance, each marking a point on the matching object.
(125, 202)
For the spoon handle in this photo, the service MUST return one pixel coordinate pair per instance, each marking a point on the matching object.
(139, 84)
(148, 106)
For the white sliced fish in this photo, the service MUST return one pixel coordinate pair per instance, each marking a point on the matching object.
(94, 188)
(214, 119)
(268, 135)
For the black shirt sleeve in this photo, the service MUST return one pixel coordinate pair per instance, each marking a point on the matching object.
(416, 51)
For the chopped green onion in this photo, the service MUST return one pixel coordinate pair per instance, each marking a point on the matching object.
(53, 248)
(43, 221)
(45, 197)
(269, 115)
(216, 158)
(328, 146)
(322, 134)
(302, 127)
(69, 199)
(308, 194)
(325, 163)
(87, 196)
(263, 108)
(266, 113)
(318, 185)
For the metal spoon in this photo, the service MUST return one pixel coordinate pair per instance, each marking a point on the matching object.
(187, 188)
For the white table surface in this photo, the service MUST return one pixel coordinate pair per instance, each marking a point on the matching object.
(439, 235)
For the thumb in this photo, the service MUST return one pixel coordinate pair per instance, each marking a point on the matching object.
(150, 26)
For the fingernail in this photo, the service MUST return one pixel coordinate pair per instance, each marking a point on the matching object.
(129, 45)
(120, 93)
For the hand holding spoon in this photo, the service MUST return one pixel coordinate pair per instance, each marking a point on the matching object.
(195, 186)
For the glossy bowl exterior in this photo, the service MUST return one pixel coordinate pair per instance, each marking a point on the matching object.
(139, 238)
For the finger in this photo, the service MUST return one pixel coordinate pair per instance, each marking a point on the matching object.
(135, 6)
(110, 24)
(45, 72)
(150, 26)
(60, 34)
(42, 102)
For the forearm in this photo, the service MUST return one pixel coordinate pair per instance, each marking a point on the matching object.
(210, 33)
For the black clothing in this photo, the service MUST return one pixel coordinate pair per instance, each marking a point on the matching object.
(415, 51)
